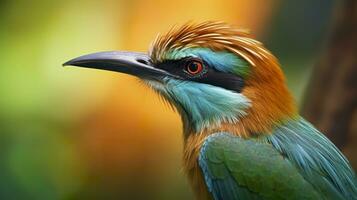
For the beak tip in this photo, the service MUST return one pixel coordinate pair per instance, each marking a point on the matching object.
(64, 64)
(68, 63)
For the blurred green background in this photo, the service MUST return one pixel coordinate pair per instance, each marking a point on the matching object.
(72, 133)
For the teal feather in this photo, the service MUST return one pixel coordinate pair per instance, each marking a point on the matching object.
(215, 105)
(318, 159)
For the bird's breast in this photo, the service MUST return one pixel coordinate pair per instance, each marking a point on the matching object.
(192, 148)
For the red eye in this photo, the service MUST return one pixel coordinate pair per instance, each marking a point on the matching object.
(194, 67)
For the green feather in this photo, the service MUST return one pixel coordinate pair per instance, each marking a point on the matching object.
(257, 168)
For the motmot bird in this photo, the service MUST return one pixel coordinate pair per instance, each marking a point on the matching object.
(243, 136)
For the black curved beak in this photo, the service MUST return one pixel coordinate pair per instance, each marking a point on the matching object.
(137, 64)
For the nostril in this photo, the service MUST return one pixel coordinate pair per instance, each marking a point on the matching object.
(142, 61)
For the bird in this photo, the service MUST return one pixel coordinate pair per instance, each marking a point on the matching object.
(243, 135)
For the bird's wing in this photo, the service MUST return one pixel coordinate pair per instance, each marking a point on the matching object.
(317, 158)
(236, 168)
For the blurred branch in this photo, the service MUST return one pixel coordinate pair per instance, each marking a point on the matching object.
(332, 93)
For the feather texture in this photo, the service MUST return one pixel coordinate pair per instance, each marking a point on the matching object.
(317, 158)
(214, 35)
(236, 168)
(214, 107)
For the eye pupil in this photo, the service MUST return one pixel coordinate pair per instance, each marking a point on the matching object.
(194, 67)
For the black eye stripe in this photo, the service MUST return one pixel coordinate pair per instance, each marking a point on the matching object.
(209, 75)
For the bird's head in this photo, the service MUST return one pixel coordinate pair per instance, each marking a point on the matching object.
(217, 77)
